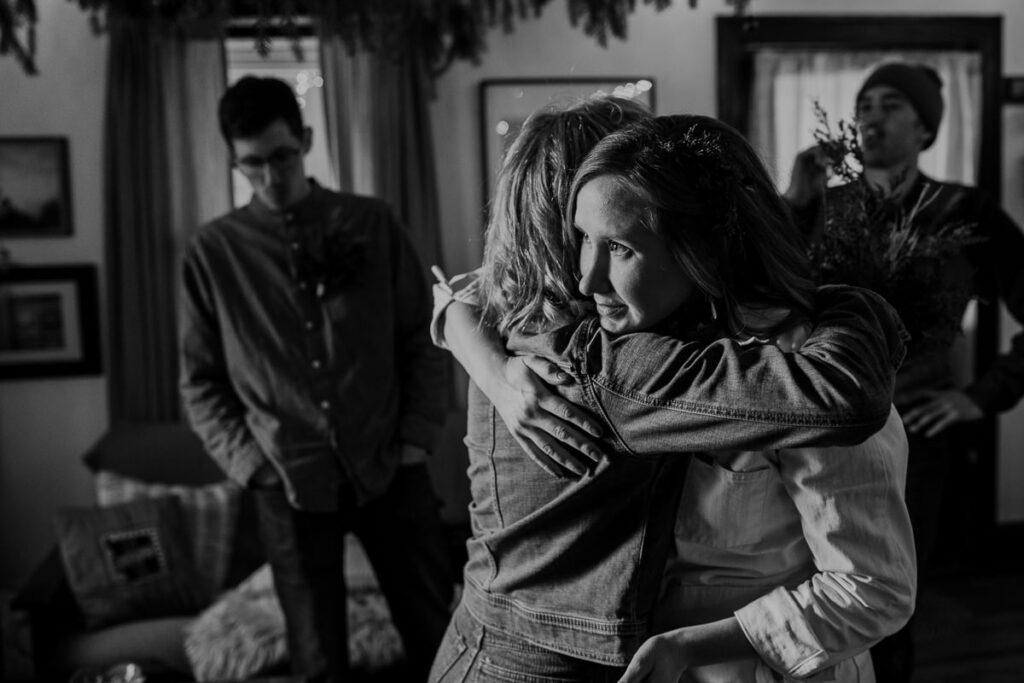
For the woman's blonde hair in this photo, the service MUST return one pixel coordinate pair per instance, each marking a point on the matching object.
(528, 277)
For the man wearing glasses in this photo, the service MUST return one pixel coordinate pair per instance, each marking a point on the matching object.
(308, 372)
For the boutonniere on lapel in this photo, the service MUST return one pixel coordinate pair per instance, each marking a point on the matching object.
(338, 262)
(344, 259)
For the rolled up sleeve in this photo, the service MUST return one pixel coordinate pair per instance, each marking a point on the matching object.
(856, 524)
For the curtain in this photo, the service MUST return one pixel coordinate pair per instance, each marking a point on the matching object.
(165, 174)
(379, 137)
(788, 83)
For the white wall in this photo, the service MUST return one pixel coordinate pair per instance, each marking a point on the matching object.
(45, 426)
(677, 47)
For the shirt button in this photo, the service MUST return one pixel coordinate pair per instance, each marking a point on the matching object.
(310, 324)
(295, 246)
(303, 285)
(326, 405)
(289, 217)
(316, 365)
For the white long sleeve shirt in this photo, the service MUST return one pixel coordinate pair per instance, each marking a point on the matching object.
(810, 548)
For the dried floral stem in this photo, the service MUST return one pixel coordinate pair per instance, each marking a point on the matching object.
(872, 239)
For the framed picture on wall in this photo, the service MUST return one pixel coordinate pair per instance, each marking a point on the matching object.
(506, 103)
(49, 321)
(35, 193)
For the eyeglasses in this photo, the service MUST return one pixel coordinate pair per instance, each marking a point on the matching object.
(280, 159)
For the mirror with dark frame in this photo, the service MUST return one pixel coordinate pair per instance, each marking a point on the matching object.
(844, 49)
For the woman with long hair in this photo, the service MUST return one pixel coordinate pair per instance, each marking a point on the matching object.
(663, 343)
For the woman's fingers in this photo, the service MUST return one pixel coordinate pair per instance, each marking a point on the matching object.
(570, 414)
(639, 668)
(562, 430)
(547, 371)
(538, 456)
(551, 457)
(555, 433)
(550, 374)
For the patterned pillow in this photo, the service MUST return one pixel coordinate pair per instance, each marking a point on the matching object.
(243, 633)
(210, 512)
(129, 561)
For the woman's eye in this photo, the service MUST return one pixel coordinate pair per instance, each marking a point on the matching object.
(617, 248)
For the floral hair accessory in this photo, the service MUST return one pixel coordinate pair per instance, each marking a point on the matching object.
(710, 172)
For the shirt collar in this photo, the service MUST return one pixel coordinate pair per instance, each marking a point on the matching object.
(302, 212)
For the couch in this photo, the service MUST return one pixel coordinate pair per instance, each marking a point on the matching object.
(152, 455)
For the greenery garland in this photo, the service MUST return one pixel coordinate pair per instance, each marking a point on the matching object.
(439, 31)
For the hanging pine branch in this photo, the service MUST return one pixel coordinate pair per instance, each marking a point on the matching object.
(18, 32)
(439, 31)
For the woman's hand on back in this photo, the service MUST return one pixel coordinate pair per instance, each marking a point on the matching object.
(664, 658)
(661, 659)
(557, 435)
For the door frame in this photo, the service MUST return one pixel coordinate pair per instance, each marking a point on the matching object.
(738, 38)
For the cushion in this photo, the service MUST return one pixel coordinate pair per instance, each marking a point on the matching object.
(373, 641)
(210, 516)
(241, 634)
(129, 561)
(156, 452)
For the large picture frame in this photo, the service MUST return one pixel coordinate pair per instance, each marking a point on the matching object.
(505, 103)
(49, 321)
(35, 189)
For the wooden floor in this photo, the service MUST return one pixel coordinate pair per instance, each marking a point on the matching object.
(969, 627)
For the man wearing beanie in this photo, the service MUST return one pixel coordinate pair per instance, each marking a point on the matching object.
(899, 110)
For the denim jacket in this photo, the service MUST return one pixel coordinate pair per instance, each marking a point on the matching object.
(304, 341)
(576, 565)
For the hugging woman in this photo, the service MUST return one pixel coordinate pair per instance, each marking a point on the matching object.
(665, 296)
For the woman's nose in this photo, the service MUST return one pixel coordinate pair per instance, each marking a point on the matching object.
(593, 273)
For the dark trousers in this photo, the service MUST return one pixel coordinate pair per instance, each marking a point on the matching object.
(404, 541)
(928, 471)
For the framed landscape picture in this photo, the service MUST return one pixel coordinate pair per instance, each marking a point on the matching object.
(49, 321)
(506, 103)
(35, 194)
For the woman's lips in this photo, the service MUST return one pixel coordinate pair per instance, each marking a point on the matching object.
(610, 310)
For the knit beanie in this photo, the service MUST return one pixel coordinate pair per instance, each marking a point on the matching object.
(920, 84)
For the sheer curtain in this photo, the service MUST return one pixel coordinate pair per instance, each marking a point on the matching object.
(166, 172)
(380, 143)
(787, 83)
(379, 137)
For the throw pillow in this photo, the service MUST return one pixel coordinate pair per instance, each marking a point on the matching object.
(210, 515)
(128, 561)
(241, 634)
